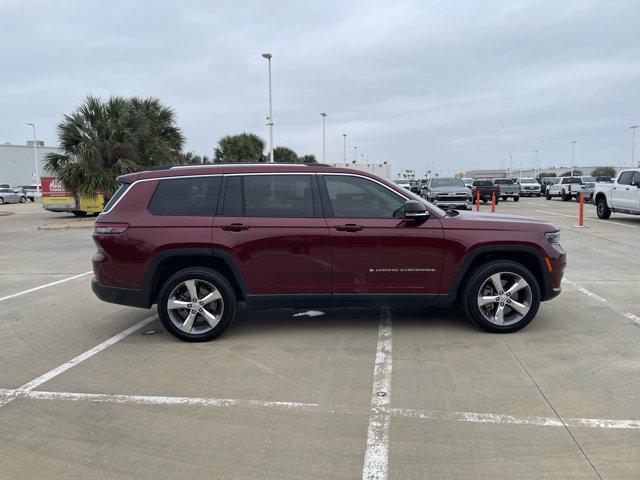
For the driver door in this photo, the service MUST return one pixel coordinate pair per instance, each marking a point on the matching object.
(374, 250)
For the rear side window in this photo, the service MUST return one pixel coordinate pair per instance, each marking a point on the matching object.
(186, 197)
(269, 196)
(116, 196)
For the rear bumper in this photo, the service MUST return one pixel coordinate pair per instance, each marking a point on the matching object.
(131, 297)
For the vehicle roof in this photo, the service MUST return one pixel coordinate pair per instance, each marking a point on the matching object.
(227, 168)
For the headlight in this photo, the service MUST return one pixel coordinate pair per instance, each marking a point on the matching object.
(553, 237)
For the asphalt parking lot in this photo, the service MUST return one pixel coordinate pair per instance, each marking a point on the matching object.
(91, 390)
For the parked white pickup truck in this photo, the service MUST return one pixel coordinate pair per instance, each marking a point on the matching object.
(622, 196)
(565, 188)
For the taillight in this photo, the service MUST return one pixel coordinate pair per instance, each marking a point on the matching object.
(110, 228)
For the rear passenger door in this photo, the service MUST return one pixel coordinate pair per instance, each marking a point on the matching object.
(272, 227)
(623, 192)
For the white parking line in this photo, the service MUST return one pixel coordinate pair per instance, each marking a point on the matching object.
(437, 415)
(588, 219)
(14, 295)
(27, 387)
(581, 289)
(376, 457)
(477, 417)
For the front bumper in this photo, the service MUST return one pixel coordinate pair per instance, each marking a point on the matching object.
(130, 297)
(452, 204)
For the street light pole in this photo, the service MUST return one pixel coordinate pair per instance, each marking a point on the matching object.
(355, 154)
(270, 117)
(573, 150)
(35, 156)
(344, 147)
(535, 165)
(633, 145)
(324, 157)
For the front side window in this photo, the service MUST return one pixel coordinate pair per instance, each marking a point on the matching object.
(190, 197)
(357, 197)
(625, 178)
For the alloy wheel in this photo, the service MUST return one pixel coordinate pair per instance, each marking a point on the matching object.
(504, 298)
(195, 306)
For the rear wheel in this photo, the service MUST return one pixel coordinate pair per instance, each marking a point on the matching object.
(501, 296)
(548, 196)
(196, 304)
(515, 199)
(602, 208)
(1, 200)
(564, 196)
(23, 199)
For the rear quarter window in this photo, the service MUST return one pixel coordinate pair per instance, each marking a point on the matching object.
(186, 197)
(116, 196)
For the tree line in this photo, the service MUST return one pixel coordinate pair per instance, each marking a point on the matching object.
(102, 139)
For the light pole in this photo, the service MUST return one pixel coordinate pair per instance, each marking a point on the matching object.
(324, 157)
(362, 157)
(35, 155)
(355, 154)
(633, 145)
(270, 117)
(535, 165)
(573, 151)
(344, 147)
(510, 166)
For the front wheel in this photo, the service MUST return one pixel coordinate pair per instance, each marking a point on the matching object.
(548, 196)
(515, 199)
(23, 199)
(501, 296)
(196, 304)
(1, 200)
(602, 209)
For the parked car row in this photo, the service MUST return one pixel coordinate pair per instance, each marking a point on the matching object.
(31, 192)
(11, 195)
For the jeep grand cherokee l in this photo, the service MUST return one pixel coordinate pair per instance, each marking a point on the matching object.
(196, 240)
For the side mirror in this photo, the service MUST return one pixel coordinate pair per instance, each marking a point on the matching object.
(634, 183)
(415, 210)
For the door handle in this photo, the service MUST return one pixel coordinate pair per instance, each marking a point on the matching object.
(349, 227)
(235, 227)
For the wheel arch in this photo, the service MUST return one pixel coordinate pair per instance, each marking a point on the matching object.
(529, 257)
(600, 195)
(168, 262)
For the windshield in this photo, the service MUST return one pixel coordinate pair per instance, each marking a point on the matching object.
(447, 182)
(588, 179)
(503, 181)
(528, 180)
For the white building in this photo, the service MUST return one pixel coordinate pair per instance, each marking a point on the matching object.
(17, 165)
(380, 169)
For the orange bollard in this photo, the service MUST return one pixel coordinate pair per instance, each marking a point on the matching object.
(493, 202)
(581, 214)
(477, 200)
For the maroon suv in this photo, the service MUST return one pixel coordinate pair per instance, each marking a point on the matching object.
(196, 240)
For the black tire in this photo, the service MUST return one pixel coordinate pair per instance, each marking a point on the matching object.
(564, 196)
(602, 209)
(503, 198)
(23, 199)
(538, 194)
(79, 214)
(208, 275)
(479, 276)
(547, 196)
(515, 199)
(1, 200)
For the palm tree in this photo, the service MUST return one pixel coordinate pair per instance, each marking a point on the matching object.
(103, 139)
(245, 147)
(285, 155)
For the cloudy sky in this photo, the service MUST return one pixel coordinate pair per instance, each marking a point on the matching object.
(456, 85)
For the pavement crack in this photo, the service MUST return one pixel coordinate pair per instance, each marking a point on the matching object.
(564, 424)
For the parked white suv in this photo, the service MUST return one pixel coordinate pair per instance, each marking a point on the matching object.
(529, 186)
(565, 188)
(621, 196)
